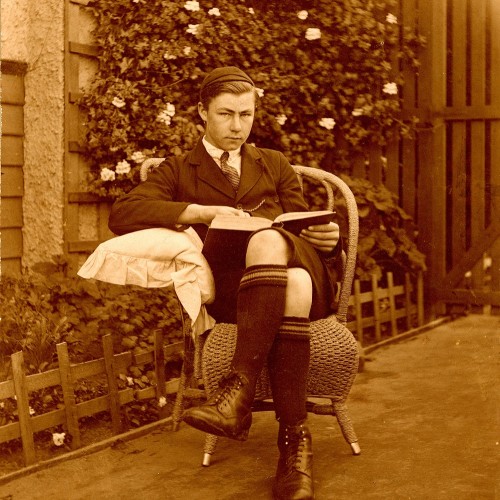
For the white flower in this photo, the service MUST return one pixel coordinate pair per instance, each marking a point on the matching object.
(327, 123)
(122, 167)
(58, 438)
(260, 92)
(487, 262)
(32, 411)
(107, 174)
(162, 401)
(357, 112)
(170, 109)
(166, 115)
(281, 119)
(138, 156)
(118, 102)
(390, 88)
(164, 118)
(130, 381)
(250, 10)
(193, 29)
(391, 19)
(186, 50)
(302, 15)
(214, 12)
(313, 34)
(192, 5)
(168, 56)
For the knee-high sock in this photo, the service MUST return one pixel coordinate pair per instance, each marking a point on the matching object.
(288, 364)
(260, 305)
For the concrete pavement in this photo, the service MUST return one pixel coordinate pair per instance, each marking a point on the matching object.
(425, 411)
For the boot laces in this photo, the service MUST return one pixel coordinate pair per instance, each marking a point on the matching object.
(295, 449)
(230, 386)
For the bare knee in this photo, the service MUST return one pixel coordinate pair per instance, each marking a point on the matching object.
(298, 293)
(267, 247)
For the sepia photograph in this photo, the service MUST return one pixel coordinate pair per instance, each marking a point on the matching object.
(249, 249)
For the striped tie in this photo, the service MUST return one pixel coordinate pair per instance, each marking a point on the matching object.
(230, 172)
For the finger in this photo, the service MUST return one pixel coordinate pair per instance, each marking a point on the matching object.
(333, 236)
(317, 242)
(331, 226)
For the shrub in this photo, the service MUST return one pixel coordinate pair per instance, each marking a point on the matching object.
(40, 311)
(328, 72)
(329, 78)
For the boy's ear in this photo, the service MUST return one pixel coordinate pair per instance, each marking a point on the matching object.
(202, 112)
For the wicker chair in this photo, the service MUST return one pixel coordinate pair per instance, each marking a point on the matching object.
(334, 350)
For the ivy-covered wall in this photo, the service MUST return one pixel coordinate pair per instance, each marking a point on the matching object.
(328, 74)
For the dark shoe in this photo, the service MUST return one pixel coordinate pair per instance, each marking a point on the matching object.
(228, 412)
(294, 479)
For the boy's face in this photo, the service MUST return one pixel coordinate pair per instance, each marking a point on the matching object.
(229, 119)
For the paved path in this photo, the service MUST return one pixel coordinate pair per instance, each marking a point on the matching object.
(424, 409)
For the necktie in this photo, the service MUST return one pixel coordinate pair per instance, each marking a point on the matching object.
(230, 172)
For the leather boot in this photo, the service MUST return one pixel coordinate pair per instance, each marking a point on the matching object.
(228, 412)
(294, 479)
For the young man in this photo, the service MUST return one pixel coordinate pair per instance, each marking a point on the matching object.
(284, 282)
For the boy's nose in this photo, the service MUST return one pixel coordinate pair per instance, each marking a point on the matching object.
(236, 123)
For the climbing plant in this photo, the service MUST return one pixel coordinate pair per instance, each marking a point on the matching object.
(328, 74)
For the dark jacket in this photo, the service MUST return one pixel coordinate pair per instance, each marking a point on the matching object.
(267, 181)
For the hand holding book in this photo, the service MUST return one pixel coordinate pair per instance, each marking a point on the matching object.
(227, 235)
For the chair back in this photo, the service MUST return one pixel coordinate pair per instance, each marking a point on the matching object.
(332, 185)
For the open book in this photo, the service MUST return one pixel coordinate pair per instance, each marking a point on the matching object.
(227, 235)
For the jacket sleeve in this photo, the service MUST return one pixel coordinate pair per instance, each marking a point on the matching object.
(150, 204)
(288, 187)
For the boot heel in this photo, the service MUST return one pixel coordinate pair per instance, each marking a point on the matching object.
(242, 436)
(245, 426)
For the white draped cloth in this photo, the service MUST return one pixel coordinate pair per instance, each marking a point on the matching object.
(157, 258)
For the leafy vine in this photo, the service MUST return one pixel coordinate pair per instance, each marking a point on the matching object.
(328, 74)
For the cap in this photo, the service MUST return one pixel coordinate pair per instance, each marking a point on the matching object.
(225, 74)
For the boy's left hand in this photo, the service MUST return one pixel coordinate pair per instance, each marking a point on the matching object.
(324, 237)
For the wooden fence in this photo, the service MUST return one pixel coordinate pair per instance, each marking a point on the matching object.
(66, 376)
(384, 312)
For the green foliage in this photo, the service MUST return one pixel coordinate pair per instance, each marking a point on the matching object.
(328, 73)
(386, 232)
(38, 312)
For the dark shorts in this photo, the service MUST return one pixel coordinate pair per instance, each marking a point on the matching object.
(303, 255)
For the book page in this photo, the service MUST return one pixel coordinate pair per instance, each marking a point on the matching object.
(234, 223)
(302, 215)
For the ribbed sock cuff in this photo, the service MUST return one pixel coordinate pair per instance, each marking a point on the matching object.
(294, 328)
(268, 275)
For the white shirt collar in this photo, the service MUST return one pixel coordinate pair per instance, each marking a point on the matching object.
(216, 153)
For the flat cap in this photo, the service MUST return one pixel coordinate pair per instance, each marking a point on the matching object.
(225, 74)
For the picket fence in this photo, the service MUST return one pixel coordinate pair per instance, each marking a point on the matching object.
(388, 311)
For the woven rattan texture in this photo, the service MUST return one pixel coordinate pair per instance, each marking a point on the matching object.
(333, 366)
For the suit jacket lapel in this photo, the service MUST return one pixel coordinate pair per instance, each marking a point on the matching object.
(209, 172)
(251, 170)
